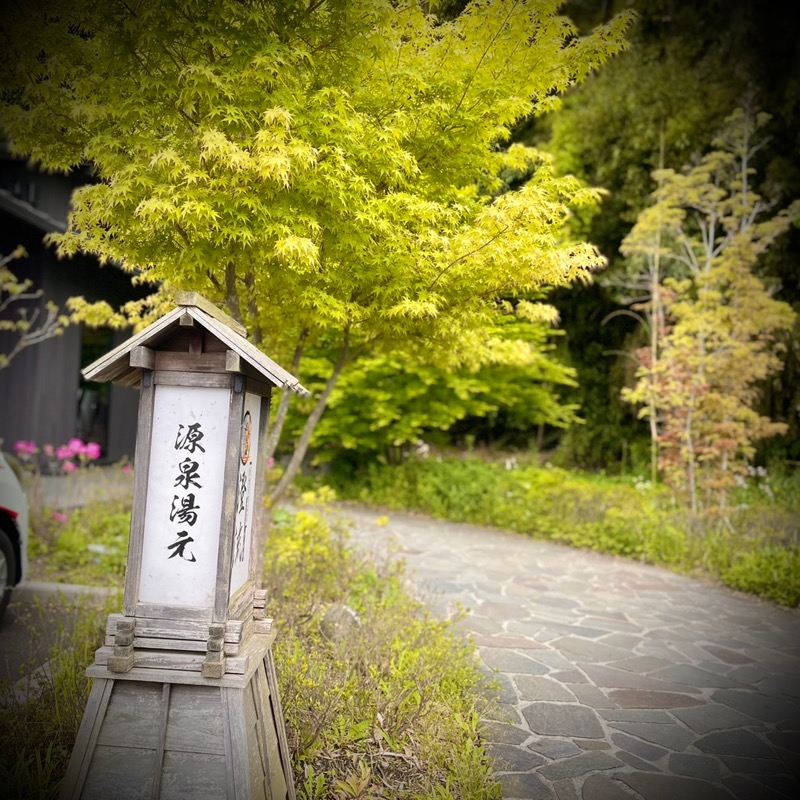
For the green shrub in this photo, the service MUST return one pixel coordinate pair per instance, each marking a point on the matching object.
(87, 545)
(770, 572)
(399, 694)
(620, 516)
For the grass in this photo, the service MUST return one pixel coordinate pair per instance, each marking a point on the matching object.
(388, 711)
(620, 516)
(87, 545)
(40, 716)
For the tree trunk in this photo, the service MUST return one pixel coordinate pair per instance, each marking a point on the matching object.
(231, 295)
(655, 321)
(691, 463)
(276, 429)
(301, 448)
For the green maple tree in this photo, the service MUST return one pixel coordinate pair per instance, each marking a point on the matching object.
(327, 170)
(721, 339)
(387, 402)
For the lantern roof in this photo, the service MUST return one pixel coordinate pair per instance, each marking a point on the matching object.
(191, 310)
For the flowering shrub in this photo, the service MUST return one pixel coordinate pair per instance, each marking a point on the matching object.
(25, 450)
(56, 460)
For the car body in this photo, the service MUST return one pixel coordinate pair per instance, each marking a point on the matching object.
(13, 532)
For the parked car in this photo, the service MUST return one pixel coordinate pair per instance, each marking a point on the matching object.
(13, 532)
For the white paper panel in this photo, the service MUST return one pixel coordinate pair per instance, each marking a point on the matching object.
(184, 496)
(245, 499)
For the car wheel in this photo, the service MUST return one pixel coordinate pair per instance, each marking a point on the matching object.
(8, 569)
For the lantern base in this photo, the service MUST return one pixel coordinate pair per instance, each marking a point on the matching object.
(173, 735)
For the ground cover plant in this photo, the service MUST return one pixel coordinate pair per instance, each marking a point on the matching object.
(388, 704)
(87, 545)
(390, 710)
(40, 716)
(758, 553)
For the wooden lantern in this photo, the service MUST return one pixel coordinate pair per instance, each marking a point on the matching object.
(191, 652)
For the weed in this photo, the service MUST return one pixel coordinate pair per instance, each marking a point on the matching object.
(40, 716)
(388, 712)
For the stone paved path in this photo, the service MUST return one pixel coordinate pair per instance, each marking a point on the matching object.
(618, 680)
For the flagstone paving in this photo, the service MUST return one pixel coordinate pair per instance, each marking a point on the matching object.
(615, 680)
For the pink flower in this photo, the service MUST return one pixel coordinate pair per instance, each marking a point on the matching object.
(75, 447)
(63, 452)
(69, 466)
(58, 516)
(49, 451)
(23, 447)
(270, 463)
(92, 450)
(126, 468)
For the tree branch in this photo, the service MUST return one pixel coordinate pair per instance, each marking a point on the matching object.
(301, 448)
(214, 280)
(467, 255)
(483, 56)
(276, 428)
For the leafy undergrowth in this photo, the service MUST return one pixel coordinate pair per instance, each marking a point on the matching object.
(385, 704)
(626, 517)
(388, 711)
(40, 716)
(87, 545)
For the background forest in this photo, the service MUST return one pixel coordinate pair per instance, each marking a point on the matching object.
(558, 229)
(660, 104)
(616, 377)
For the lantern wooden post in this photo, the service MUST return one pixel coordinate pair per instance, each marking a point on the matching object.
(184, 702)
